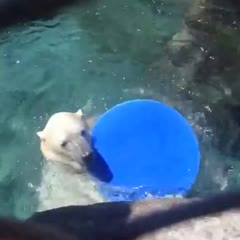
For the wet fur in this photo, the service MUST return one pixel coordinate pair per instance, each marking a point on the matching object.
(65, 179)
(66, 139)
(62, 186)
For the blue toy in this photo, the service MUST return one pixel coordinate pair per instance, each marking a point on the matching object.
(145, 145)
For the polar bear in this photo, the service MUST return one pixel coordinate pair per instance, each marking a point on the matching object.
(66, 139)
(65, 143)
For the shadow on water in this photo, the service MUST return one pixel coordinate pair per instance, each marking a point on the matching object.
(110, 51)
(13, 12)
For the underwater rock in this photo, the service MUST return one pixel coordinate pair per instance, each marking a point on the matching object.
(136, 29)
(204, 57)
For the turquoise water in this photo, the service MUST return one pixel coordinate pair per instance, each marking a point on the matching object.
(102, 53)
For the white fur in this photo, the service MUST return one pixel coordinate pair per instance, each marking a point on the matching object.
(65, 127)
(61, 184)
(62, 187)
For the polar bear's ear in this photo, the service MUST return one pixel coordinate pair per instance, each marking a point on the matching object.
(41, 135)
(79, 113)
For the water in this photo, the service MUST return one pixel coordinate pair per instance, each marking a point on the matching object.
(103, 53)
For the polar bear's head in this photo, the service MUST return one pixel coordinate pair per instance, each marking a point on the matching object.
(66, 138)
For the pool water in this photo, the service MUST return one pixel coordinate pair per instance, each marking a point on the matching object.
(94, 56)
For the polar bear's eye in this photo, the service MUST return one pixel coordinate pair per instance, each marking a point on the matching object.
(83, 133)
(64, 143)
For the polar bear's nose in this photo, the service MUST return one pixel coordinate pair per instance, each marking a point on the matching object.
(64, 143)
